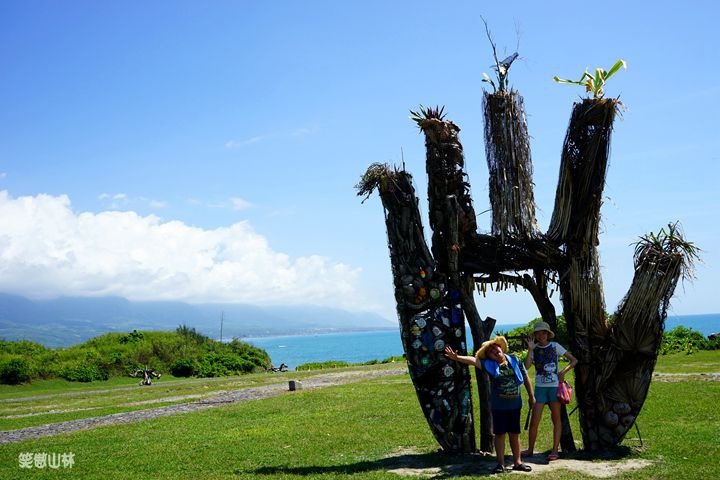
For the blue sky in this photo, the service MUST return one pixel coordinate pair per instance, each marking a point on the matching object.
(207, 151)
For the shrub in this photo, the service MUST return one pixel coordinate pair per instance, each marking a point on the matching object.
(14, 371)
(257, 359)
(132, 337)
(116, 359)
(46, 365)
(23, 348)
(192, 335)
(400, 358)
(210, 366)
(83, 372)
(183, 367)
(184, 352)
(322, 365)
(686, 340)
(220, 364)
(680, 339)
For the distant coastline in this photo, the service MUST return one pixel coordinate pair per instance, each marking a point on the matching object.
(705, 323)
(364, 346)
(65, 322)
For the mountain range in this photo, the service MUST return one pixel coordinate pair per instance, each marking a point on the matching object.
(66, 321)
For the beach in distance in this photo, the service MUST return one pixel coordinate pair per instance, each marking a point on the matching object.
(357, 347)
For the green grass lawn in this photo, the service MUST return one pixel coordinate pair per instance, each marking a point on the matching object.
(122, 395)
(361, 430)
(58, 386)
(703, 361)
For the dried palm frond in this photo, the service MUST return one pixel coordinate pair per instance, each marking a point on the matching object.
(583, 302)
(586, 149)
(628, 387)
(661, 260)
(446, 178)
(427, 113)
(429, 318)
(574, 226)
(507, 148)
(625, 368)
(666, 245)
(371, 179)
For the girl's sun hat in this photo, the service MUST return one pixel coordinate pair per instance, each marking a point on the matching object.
(543, 327)
(500, 340)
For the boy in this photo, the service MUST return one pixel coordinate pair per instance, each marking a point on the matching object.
(506, 373)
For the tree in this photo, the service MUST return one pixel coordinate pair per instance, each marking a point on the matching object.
(434, 287)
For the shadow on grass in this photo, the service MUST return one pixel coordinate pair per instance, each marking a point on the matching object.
(437, 465)
(621, 452)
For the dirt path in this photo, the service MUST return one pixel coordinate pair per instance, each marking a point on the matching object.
(162, 384)
(224, 398)
(684, 377)
(483, 467)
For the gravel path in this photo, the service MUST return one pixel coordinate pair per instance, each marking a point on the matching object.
(241, 395)
(683, 377)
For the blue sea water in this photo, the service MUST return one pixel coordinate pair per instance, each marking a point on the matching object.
(706, 324)
(355, 347)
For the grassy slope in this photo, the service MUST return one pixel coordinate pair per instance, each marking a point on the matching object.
(363, 430)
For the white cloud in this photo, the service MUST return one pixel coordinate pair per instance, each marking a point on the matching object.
(240, 203)
(48, 250)
(234, 203)
(122, 200)
(301, 132)
(298, 132)
(230, 144)
(114, 196)
(115, 201)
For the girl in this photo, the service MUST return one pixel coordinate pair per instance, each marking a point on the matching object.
(545, 355)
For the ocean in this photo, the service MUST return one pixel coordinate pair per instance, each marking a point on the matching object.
(356, 347)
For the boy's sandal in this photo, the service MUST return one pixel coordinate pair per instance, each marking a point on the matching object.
(552, 456)
(526, 453)
(522, 468)
(499, 469)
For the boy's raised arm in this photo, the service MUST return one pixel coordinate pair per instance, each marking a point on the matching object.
(466, 359)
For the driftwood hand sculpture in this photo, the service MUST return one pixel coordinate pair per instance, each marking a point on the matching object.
(434, 288)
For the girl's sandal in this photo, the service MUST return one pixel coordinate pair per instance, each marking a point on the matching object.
(552, 456)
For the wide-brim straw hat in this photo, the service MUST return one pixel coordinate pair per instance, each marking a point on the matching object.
(500, 340)
(543, 326)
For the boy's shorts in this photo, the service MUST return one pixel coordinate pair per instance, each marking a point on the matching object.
(506, 421)
(546, 394)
